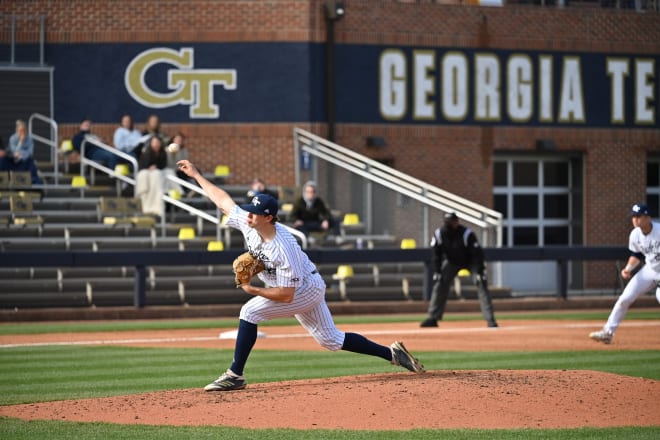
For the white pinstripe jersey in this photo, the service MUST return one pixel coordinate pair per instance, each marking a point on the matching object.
(649, 245)
(286, 264)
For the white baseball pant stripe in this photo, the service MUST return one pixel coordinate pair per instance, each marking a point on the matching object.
(308, 307)
(643, 281)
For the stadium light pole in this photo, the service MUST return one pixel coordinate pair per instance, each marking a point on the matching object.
(334, 11)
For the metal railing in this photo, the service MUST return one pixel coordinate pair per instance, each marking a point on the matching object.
(143, 259)
(217, 218)
(375, 172)
(52, 142)
(14, 28)
(86, 162)
(198, 213)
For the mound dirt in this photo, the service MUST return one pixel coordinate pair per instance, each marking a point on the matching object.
(396, 401)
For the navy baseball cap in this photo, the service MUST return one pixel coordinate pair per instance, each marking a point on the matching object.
(639, 209)
(262, 204)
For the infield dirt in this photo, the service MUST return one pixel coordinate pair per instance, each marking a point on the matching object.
(395, 401)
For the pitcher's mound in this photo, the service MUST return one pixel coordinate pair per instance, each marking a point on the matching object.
(397, 401)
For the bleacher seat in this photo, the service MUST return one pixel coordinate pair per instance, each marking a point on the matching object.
(343, 274)
(215, 246)
(78, 182)
(123, 211)
(20, 179)
(408, 243)
(186, 233)
(22, 212)
(351, 224)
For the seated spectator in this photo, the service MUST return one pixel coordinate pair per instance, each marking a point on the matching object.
(18, 157)
(152, 179)
(310, 213)
(92, 151)
(152, 128)
(258, 186)
(127, 138)
(177, 151)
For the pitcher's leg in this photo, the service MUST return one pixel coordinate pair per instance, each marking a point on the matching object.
(639, 284)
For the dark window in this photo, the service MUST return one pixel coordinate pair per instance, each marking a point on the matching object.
(555, 206)
(653, 174)
(500, 175)
(525, 236)
(525, 174)
(555, 235)
(555, 173)
(500, 203)
(525, 206)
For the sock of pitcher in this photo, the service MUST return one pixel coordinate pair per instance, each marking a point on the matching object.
(245, 339)
(359, 344)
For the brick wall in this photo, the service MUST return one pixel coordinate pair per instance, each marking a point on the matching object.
(455, 158)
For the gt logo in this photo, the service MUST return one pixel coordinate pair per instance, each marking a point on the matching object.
(193, 87)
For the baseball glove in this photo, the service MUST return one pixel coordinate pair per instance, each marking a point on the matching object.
(245, 267)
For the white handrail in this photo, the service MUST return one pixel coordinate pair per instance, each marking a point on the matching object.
(50, 142)
(84, 161)
(216, 219)
(397, 181)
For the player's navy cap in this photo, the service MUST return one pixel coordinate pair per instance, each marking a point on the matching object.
(451, 216)
(639, 209)
(262, 204)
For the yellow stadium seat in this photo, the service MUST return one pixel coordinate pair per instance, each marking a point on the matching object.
(186, 233)
(343, 272)
(122, 169)
(175, 194)
(66, 146)
(351, 219)
(408, 243)
(222, 171)
(78, 182)
(214, 246)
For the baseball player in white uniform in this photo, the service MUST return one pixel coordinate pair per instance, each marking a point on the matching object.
(644, 246)
(293, 287)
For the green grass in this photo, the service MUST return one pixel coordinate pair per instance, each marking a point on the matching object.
(21, 430)
(117, 326)
(32, 374)
(45, 373)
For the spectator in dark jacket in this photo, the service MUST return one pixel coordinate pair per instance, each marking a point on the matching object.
(92, 151)
(310, 213)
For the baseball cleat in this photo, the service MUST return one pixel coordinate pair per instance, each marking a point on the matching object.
(227, 382)
(602, 336)
(403, 358)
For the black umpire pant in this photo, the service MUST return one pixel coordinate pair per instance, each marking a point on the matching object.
(444, 281)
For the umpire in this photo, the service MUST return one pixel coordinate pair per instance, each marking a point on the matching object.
(455, 247)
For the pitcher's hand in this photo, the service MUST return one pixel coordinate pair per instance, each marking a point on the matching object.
(188, 168)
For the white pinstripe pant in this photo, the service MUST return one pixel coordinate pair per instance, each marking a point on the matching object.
(643, 281)
(308, 307)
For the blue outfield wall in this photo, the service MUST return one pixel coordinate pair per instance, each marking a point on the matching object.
(273, 83)
(285, 82)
